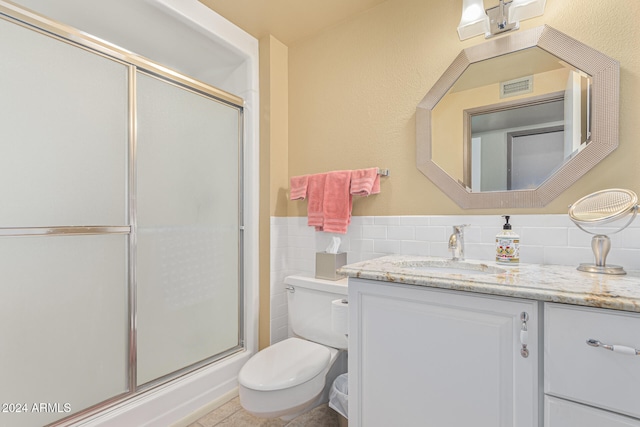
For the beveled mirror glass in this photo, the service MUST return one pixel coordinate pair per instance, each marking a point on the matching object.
(516, 120)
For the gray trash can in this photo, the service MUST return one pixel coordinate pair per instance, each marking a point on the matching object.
(339, 398)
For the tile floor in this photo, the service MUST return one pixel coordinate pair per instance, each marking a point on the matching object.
(231, 414)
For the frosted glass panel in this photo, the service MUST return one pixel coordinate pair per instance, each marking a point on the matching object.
(187, 203)
(63, 323)
(63, 116)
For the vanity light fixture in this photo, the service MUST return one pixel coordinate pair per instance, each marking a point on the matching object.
(496, 20)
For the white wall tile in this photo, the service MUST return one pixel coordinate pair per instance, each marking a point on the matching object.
(545, 239)
(581, 238)
(531, 254)
(279, 328)
(481, 251)
(279, 305)
(493, 221)
(557, 220)
(299, 241)
(567, 256)
(277, 287)
(363, 220)
(386, 246)
(543, 236)
(431, 233)
(627, 258)
(578, 238)
(473, 235)
(281, 220)
(374, 231)
(414, 220)
(440, 249)
(322, 241)
(362, 245)
(364, 256)
(400, 232)
(414, 247)
(354, 231)
(488, 234)
(386, 220)
(631, 238)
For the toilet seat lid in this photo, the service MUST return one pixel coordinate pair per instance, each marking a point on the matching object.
(285, 364)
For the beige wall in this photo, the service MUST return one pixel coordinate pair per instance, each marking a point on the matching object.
(353, 90)
(274, 119)
(352, 93)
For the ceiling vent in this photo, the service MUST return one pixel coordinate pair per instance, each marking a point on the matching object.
(516, 87)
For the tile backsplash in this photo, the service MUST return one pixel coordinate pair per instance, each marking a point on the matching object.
(544, 239)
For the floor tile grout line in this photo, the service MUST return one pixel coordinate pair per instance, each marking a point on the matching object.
(228, 416)
(255, 422)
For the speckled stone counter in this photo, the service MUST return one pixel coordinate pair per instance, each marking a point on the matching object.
(563, 284)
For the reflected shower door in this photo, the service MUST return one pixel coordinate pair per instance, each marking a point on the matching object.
(188, 227)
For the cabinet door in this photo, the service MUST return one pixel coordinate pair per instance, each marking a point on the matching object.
(426, 357)
(562, 413)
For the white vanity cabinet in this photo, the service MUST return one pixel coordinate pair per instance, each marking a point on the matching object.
(420, 356)
(585, 385)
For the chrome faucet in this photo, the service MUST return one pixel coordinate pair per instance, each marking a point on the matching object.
(456, 242)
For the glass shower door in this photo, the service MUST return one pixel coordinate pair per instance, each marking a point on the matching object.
(188, 227)
(64, 313)
(120, 224)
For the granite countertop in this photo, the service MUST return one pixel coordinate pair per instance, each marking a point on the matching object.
(563, 284)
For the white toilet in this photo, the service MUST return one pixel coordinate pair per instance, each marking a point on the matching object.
(295, 375)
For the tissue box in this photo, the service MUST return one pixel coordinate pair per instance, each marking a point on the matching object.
(327, 264)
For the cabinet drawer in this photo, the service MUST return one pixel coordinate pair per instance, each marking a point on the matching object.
(592, 375)
(561, 413)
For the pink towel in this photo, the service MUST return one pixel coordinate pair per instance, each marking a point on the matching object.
(337, 202)
(298, 187)
(315, 194)
(365, 182)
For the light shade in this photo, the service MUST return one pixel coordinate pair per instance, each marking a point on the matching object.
(525, 9)
(474, 19)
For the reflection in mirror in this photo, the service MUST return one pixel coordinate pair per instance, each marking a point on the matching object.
(515, 121)
(522, 115)
(540, 135)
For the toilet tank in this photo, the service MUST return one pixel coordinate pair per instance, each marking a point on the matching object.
(309, 303)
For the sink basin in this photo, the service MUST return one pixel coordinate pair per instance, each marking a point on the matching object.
(446, 266)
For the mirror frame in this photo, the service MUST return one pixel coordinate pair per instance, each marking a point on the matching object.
(605, 95)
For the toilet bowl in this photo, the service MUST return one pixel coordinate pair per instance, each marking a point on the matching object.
(294, 375)
(286, 378)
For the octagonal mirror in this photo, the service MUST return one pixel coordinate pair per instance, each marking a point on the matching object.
(516, 120)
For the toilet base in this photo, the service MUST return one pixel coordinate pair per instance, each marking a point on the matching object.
(269, 404)
(289, 413)
(301, 409)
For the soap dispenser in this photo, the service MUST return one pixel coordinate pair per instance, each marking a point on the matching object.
(507, 244)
